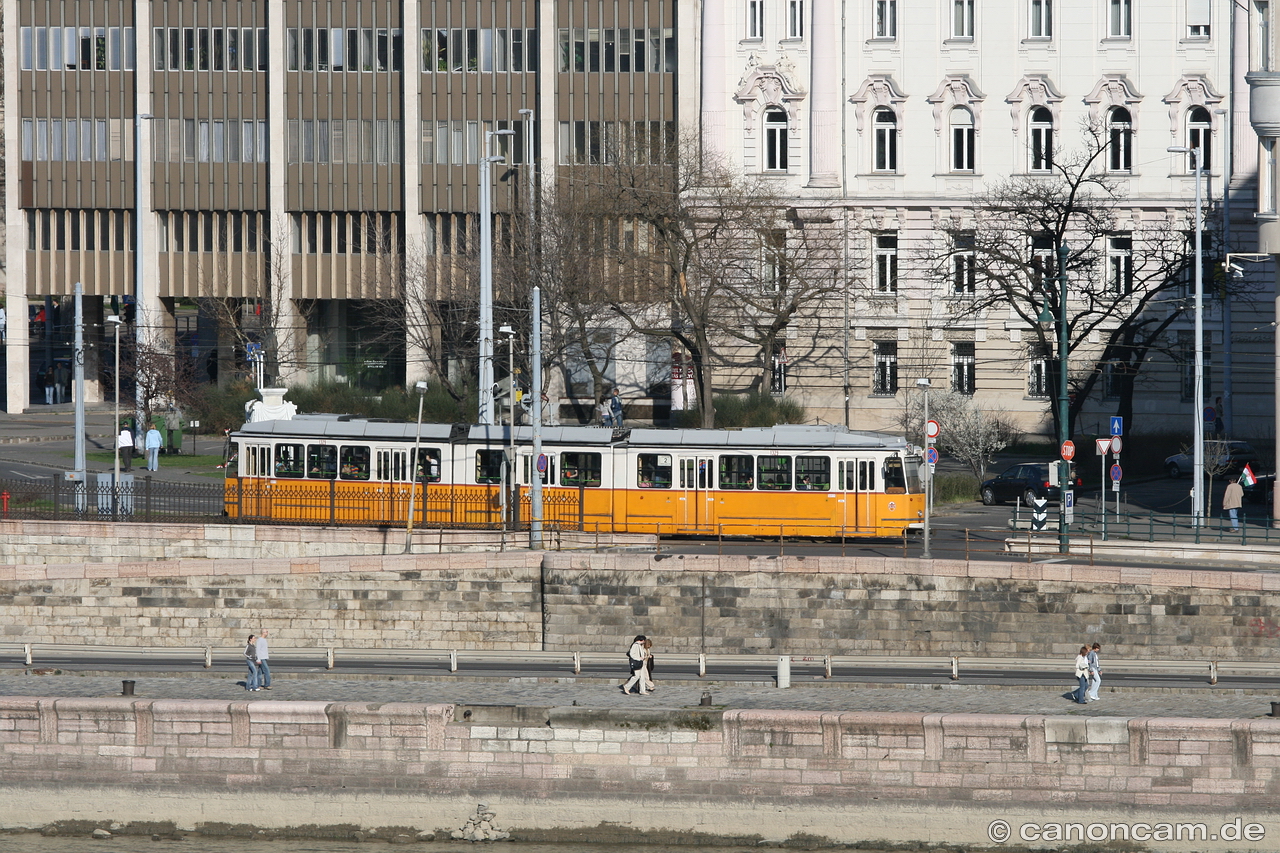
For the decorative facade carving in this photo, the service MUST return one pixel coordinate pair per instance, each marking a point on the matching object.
(1189, 92)
(763, 86)
(878, 90)
(956, 90)
(1113, 90)
(1033, 90)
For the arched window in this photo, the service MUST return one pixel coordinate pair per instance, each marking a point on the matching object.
(962, 139)
(885, 126)
(1199, 139)
(1119, 140)
(775, 141)
(1041, 139)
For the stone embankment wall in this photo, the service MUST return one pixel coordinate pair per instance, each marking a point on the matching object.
(594, 602)
(844, 777)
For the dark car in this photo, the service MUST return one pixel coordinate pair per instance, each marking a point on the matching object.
(1262, 491)
(1028, 480)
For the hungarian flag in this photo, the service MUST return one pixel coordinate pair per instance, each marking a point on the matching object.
(1247, 477)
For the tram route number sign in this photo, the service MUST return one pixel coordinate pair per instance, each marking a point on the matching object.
(1068, 450)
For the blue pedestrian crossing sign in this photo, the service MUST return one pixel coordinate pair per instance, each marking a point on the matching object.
(1117, 425)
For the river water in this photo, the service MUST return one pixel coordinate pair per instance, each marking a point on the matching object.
(29, 843)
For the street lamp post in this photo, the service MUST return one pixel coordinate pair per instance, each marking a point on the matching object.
(1064, 467)
(141, 318)
(415, 464)
(926, 554)
(509, 488)
(1197, 466)
(486, 277)
(114, 322)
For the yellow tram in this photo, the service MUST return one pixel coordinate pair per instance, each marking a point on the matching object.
(794, 481)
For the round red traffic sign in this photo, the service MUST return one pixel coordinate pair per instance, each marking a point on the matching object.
(931, 429)
(1116, 444)
(1068, 450)
(1116, 473)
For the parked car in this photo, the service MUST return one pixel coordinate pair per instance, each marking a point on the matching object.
(1262, 491)
(1028, 480)
(1225, 457)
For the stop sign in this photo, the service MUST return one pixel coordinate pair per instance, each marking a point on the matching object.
(1068, 450)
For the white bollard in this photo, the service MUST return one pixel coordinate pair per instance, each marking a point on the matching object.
(27, 649)
(577, 663)
(955, 669)
(784, 670)
(453, 661)
(208, 657)
(702, 666)
(827, 663)
(1213, 672)
(328, 659)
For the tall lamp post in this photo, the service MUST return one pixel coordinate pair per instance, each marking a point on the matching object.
(1197, 466)
(141, 317)
(509, 493)
(486, 277)
(114, 322)
(1064, 467)
(415, 465)
(926, 554)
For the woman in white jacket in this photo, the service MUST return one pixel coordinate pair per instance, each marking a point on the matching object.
(1082, 675)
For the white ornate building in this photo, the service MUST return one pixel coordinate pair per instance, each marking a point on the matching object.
(884, 118)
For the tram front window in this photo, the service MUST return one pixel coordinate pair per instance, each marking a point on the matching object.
(895, 478)
(915, 485)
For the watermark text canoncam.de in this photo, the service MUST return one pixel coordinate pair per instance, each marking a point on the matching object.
(1000, 831)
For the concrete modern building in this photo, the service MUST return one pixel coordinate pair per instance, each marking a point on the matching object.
(302, 160)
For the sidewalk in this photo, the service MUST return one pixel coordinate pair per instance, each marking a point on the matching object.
(1199, 702)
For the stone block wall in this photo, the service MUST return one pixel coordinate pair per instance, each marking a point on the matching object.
(740, 773)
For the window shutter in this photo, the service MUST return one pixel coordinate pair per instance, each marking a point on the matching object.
(1197, 13)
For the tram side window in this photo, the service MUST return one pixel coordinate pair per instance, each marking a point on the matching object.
(813, 473)
(737, 472)
(655, 471)
(430, 458)
(258, 460)
(322, 461)
(289, 460)
(488, 467)
(580, 469)
(548, 477)
(895, 479)
(355, 462)
(775, 473)
(391, 465)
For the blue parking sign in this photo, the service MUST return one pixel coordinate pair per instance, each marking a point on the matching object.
(1117, 425)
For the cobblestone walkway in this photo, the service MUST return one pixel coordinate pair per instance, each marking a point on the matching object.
(1195, 702)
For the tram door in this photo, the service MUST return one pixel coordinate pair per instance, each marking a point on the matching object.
(858, 479)
(696, 508)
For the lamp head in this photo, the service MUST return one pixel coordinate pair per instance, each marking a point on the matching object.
(922, 382)
(420, 386)
(526, 112)
(506, 330)
(1046, 316)
(507, 132)
(114, 320)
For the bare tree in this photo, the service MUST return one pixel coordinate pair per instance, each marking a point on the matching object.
(967, 433)
(1121, 261)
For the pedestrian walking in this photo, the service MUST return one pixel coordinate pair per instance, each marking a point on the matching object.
(264, 670)
(62, 379)
(251, 660)
(152, 446)
(50, 384)
(124, 443)
(635, 660)
(615, 408)
(1082, 676)
(4, 324)
(605, 413)
(1232, 500)
(648, 663)
(1095, 672)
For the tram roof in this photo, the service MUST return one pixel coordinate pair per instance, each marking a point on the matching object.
(789, 435)
(337, 426)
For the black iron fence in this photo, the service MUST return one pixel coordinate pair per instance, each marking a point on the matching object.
(258, 502)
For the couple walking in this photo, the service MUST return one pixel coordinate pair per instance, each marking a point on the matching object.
(255, 656)
(1089, 675)
(640, 659)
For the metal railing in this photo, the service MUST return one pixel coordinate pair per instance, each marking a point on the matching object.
(1152, 526)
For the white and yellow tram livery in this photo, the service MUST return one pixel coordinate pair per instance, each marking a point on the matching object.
(779, 481)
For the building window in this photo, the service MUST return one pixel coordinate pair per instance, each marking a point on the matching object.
(962, 19)
(480, 50)
(1266, 176)
(1120, 21)
(962, 140)
(1199, 140)
(755, 19)
(338, 142)
(886, 263)
(773, 261)
(1041, 19)
(885, 380)
(1262, 36)
(1042, 263)
(795, 19)
(964, 267)
(1041, 133)
(1038, 373)
(594, 142)
(203, 49)
(70, 139)
(886, 21)
(1198, 19)
(1112, 372)
(775, 141)
(1119, 140)
(885, 127)
(651, 50)
(347, 233)
(1120, 265)
(76, 48)
(80, 230)
(962, 365)
(208, 140)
